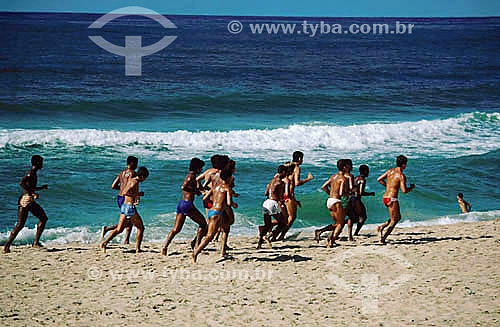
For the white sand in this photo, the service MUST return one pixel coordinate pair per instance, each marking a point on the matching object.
(452, 279)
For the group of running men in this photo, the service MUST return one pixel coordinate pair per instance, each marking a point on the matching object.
(345, 200)
(280, 209)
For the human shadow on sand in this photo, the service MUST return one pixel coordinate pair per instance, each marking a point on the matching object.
(280, 258)
(425, 240)
(142, 251)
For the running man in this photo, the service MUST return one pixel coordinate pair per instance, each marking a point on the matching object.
(119, 184)
(357, 210)
(228, 218)
(271, 208)
(348, 168)
(292, 203)
(217, 161)
(396, 181)
(128, 211)
(190, 189)
(298, 159)
(26, 204)
(337, 187)
(464, 205)
(211, 177)
(222, 198)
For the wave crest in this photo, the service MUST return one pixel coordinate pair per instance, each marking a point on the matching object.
(467, 134)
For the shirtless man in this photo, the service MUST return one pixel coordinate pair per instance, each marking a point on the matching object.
(348, 168)
(211, 177)
(464, 205)
(119, 184)
(228, 218)
(217, 161)
(337, 187)
(292, 203)
(128, 211)
(222, 198)
(26, 204)
(190, 189)
(271, 207)
(396, 180)
(357, 210)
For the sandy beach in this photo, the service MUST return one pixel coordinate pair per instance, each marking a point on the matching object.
(444, 275)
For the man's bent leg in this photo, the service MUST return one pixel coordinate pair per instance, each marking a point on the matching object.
(38, 212)
(128, 230)
(198, 218)
(137, 222)
(179, 222)
(119, 228)
(263, 230)
(213, 227)
(361, 212)
(395, 218)
(105, 229)
(349, 228)
(339, 223)
(22, 216)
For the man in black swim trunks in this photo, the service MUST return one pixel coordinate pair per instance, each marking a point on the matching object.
(26, 203)
(356, 209)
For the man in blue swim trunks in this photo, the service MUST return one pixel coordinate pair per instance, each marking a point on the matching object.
(119, 184)
(190, 189)
(223, 198)
(128, 211)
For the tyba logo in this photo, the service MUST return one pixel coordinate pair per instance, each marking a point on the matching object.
(133, 50)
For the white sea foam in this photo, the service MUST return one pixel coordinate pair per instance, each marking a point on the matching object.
(470, 217)
(242, 227)
(467, 134)
(156, 230)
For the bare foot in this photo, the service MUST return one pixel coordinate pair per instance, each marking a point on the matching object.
(103, 248)
(351, 239)
(382, 242)
(266, 238)
(138, 251)
(6, 250)
(379, 231)
(126, 242)
(331, 244)
(38, 245)
(103, 231)
(317, 235)
(164, 251)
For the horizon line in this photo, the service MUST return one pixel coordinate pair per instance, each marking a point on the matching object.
(253, 16)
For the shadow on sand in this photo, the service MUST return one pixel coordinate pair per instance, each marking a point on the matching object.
(280, 258)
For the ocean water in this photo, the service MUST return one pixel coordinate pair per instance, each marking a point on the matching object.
(432, 95)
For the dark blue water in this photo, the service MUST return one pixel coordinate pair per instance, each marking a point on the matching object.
(432, 95)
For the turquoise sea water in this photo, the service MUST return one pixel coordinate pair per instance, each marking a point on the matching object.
(432, 96)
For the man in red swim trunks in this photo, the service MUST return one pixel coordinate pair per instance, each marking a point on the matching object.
(396, 180)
